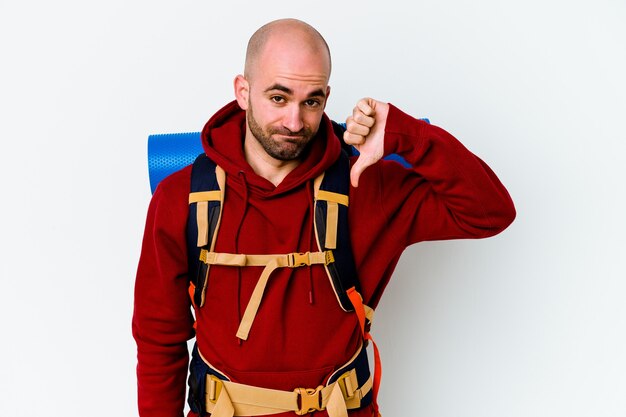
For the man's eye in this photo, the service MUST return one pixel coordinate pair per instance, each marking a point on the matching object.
(277, 99)
(312, 103)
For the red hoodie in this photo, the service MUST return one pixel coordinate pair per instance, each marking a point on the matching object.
(300, 334)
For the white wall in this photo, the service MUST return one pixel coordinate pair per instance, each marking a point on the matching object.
(529, 323)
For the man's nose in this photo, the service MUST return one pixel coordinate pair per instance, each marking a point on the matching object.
(293, 119)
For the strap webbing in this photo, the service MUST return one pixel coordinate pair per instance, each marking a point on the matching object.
(202, 218)
(228, 399)
(332, 219)
(271, 262)
(196, 197)
(255, 300)
(334, 197)
(332, 211)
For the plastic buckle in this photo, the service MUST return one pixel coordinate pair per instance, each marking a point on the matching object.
(329, 258)
(310, 400)
(215, 388)
(348, 384)
(299, 259)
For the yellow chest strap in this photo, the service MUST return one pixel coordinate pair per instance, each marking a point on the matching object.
(270, 262)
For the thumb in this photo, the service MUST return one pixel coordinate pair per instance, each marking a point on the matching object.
(357, 169)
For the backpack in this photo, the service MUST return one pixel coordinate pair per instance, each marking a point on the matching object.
(331, 200)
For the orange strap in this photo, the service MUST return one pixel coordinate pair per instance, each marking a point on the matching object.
(192, 291)
(359, 309)
(357, 303)
(378, 371)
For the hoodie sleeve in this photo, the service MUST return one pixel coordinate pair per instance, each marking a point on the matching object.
(448, 193)
(162, 319)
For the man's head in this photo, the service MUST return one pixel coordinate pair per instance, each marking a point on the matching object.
(284, 87)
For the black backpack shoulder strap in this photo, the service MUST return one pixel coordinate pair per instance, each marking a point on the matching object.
(331, 226)
(206, 198)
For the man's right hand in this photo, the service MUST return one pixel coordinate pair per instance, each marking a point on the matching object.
(365, 130)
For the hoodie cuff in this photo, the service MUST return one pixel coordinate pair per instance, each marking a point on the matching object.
(401, 127)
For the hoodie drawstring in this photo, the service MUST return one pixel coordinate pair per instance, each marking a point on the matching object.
(242, 175)
(311, 240)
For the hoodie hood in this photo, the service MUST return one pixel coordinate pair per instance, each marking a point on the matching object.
(222, 140)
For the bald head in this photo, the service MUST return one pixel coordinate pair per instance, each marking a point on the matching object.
(291, 33)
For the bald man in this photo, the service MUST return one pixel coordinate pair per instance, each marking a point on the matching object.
(272, 337)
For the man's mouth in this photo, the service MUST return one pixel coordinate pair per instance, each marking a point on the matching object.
(290, 138)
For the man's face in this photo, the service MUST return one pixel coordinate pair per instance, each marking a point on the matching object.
(277, 140)
(286, 98)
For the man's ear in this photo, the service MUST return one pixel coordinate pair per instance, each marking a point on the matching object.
(327, 95)
(242, 91)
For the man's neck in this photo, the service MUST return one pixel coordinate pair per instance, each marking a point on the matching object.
(272, 169)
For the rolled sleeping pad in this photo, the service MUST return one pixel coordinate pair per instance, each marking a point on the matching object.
(170, 152)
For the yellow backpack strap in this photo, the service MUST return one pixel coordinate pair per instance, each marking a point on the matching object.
(202, 198)
(270, 262)
(332, 214)
(206, 200)
(331, 194)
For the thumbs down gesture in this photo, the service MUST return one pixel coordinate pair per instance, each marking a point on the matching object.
(365, 130)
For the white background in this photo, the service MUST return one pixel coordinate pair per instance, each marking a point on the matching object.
(529, 323)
